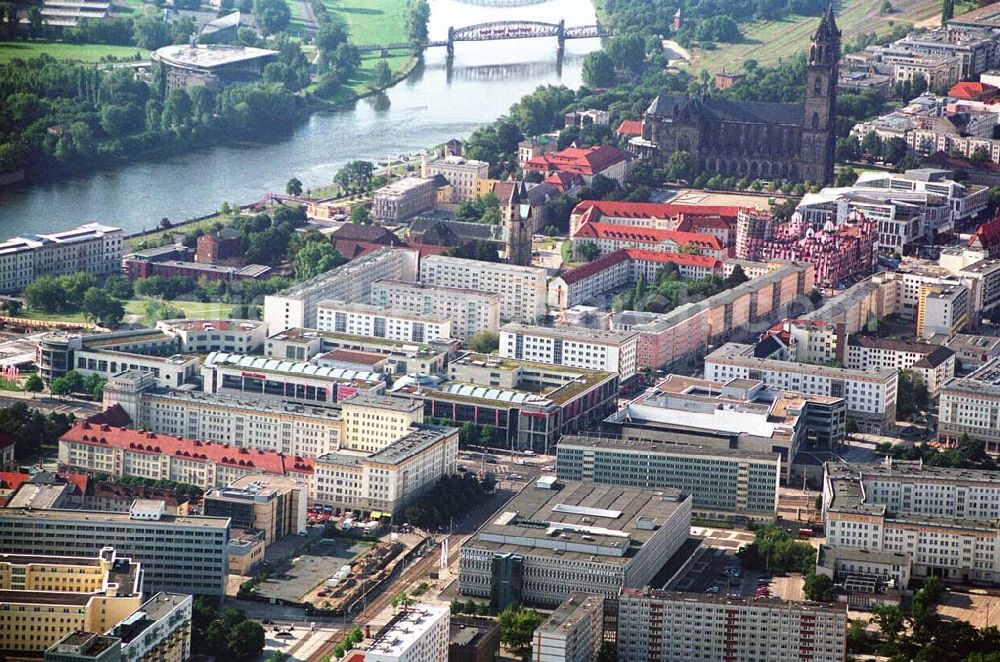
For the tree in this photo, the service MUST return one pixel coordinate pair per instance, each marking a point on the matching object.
(33, 383)
(598, 70)
(818, 587)
(517, 626)
(484, 342)
(315, 258)
(416, 22)
(361, 215)
(94, 385)
(293, 187)
(12, 307)
(588, 251)
(680, 165)
(119, 287)
(246, 640)
(889, 619)
(627, 52)
(151, 32)
(46, 294)
(154, 310)
(272, 15)
(36, 21)
(101, 308)
(71, 382)
(383, 74)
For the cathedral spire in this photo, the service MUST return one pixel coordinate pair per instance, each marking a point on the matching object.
(827, 26)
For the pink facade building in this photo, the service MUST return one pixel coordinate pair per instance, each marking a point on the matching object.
(837, 251)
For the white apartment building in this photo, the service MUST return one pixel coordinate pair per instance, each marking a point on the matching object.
(870, 396)
(92, 248)
(362, 319)
(253, 423)
(419, 633)
(574, 632)
(463, 174)
(373, 422)
(522, 290)
(200, 336)
(470, 311)
(296, 306)
(388, 480)
(663, 626)
(973, 352)
(609, 351)
(159, 630)
(932, 364)
(943, 310)
(971, 405)
(945, 519)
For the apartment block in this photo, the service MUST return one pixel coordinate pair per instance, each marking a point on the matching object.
(119, 452)
(558, 537)
(403, 199)
(237, 420)
(723, 483)
(43, 598)
(663, 626)
(470, 311)
(296, 306)
(575, 347)
(932, 364)
(200, 336)
(159, 630)
(92, 248)
(573, 632)
(394, 323)
(971, 405)
(418, 633)
(861, 304)
(522, 290)
(665, 340)
(272, 505)
(943, 310)
(371, 423)
(402, 357)
(973, 352)
(870, 396)
(945, 519)
(186, 554)
(389, 479)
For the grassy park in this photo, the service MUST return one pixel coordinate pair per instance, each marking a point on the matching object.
(26, 50)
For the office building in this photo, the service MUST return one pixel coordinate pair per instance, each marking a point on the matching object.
(462, 174)
(202, 336)
(92, 248)
(723, 483)
(159, 630)
(386, 481)
(932, 364)
(289, 380)
(105, 354)
(266, 424)
(470, 311)
(870, 396)
(371, 423)
(473, 639)
(942, 310)
(401, 357)
(526, 405)
(296, 306)
(573, 632)
(392, 322)
(663, 626)
(522, 290)
(43, 598)
(273, 505)
(859, 566)
(119, 452)
(403, 199)
(416, 634)
(945, 519)
(573, 347)
(973, 352)
(970, 406)
(186, 554)
(557, 537)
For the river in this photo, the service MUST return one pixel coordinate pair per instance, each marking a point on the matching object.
(435, 103)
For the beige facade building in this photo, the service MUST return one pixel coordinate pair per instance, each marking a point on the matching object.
(373, 422)
(43, 598)
(463, 174)
(932, 364)
(470, 311)
(971, 405)
(392, 322)
(404, 199)
(92, 248)
(608, 351)
(522, 290)
(574, 632)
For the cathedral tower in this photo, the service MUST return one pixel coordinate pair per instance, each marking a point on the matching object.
(819, 110)
(515, 213)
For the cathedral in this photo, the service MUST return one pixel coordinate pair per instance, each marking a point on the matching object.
(754, 139)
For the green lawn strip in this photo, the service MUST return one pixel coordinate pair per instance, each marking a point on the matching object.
(26, 50)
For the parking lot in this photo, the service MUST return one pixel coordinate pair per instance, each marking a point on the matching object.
(301, 574)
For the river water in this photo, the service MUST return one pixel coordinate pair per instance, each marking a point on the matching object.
(435, 103)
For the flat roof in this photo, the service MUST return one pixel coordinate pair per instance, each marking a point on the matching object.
(736, 354)
(736, 601)
(582, 334)
(574, 608)
(529, 524)
(413, 443)
(387, 402)
(405, 629)
(209, 56)
(98, 516)
(829, 554)
(617, 444)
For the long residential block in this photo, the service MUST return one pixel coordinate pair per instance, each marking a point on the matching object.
(470, 311)
(92, 248)
(392, 322)
(574, 347)
(522, 290)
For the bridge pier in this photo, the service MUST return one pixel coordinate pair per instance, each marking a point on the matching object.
(561, 34)
(450, 46)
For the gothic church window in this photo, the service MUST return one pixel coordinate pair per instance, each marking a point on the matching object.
(815, 120)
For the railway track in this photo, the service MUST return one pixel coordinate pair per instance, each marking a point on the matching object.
(408, 577)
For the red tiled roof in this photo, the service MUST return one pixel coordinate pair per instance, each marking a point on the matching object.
(354, 356)
(562, 180)
(11, 480)
(988, 234)
(971, 90)
(428, 249)
(629, 128)
(618, 209)
(81, 481)
(609, 260)
(648, 235)
(692, 222)
(576, 160)
(138, 441)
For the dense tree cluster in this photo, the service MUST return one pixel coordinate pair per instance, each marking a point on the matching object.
(229, 635)
(517, 625)
(967, 453)
(452, 496)
(668, 290)
(30, 429)
(775, 550)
